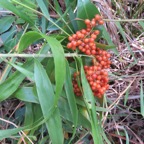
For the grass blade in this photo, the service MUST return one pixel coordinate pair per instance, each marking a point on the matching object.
(123, 35)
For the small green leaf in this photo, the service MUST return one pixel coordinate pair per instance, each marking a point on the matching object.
(26, 94)
(6, 23)
(105, 47)
(27, 39)
(142, 24)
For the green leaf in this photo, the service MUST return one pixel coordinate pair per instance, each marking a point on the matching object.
(28, 114)
(44, 8)
(107, 37)
(85, 9)
(58, 53)
(46, 99)
(105, 47)
(142, 24)
(71, 97)
(66, 113)
(22, 70)
(9, 86)
(26, 94)
(59, 61)
(6, 23)
(8, 5)
(90, 104)
(124, 37)
(27, 39)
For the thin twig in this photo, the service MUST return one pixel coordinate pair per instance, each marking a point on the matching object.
(123, 20)
(19, 132)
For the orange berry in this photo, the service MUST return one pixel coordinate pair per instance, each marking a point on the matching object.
(88, 52)
(86, 40)
(70, 38)
(93, 23)
(101, 22)
(87, 21)
(97, 17)
(69, 45)
(93, 36)
(97, 32)
(83, 31)
(79, 42)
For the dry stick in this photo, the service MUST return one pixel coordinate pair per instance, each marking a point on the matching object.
(19, 132)
(118, 136)
(135, 135)
(116, 101)
(123, 20)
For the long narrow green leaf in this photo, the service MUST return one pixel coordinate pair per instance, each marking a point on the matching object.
(124, 37)
(59, 61)
(46, 99)
(90, 104)
(28, 114)
(43, 7)
(8, 69)
(71, 97)
(22, 70)
(58, 53)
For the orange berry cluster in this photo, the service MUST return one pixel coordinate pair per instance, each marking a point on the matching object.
(97, 79)
(96, 74)
(102, 58)
(84, 39)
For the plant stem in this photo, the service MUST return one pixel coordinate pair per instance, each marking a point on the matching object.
(41, 55)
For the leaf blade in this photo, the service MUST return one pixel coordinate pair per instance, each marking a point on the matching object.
(46, 99)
